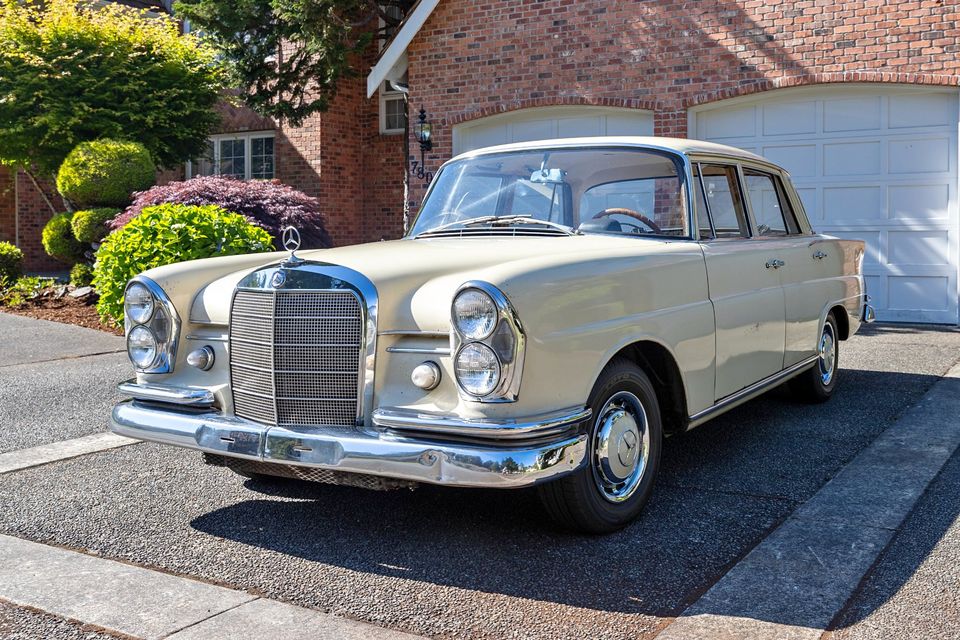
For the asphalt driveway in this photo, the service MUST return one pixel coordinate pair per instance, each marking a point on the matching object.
(471, 563)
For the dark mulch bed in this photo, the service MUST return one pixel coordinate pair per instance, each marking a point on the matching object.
(65, 309)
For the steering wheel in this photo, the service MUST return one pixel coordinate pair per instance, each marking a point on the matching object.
(613, 211)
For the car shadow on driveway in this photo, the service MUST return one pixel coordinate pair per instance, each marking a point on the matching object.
(723, 488)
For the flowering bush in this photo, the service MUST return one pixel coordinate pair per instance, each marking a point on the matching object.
(270, 205)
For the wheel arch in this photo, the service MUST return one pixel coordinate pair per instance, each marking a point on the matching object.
(843, 321)
(659, 363)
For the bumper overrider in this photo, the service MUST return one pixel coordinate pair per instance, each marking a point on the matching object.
(404, 445)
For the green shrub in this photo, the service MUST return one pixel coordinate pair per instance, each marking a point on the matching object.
(90, 225)
(105, 173)
(165, 234)
(81, 275)
(16, 293)
(10, 260)
(58, 240)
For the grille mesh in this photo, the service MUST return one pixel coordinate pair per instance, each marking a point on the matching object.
(295, 357)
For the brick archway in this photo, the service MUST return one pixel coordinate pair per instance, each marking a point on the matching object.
(553, 101)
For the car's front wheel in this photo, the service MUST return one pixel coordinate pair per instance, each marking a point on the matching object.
(623, 455)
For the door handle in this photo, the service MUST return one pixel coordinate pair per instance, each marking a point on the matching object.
(819, 255)
(775, 263)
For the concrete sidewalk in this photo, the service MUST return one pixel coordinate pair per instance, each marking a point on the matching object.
(795, 582)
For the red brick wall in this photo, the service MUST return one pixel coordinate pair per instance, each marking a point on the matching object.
(8, 206)
(341, 158)
(473, 59)
(34, 214)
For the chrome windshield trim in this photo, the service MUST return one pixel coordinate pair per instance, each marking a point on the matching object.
(183, 396)
(437, 423)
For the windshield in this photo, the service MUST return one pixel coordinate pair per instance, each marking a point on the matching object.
(618, 191)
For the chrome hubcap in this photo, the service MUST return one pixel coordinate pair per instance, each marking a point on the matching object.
(621, 446)
(828, 354)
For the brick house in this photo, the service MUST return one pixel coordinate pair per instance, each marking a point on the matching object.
(859, 100)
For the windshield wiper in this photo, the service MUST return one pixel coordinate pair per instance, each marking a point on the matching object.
(502, 221)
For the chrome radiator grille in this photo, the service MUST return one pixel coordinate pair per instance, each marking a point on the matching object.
(295, 357)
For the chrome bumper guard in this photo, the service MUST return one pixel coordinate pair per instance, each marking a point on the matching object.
(183, 396)
(506, 465)
(869, 313)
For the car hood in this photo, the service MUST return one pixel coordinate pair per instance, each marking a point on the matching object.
(416, 279)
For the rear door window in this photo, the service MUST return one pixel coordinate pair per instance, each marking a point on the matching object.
(724, 204)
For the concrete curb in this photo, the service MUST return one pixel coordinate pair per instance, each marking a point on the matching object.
(800, 576)
(63, 450)
(144, 603)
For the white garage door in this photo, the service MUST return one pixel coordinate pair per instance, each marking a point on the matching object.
(879, 164)
(545, 123)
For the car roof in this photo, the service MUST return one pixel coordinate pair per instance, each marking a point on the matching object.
(684, 146)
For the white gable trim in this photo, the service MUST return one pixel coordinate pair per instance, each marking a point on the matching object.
(393, 62)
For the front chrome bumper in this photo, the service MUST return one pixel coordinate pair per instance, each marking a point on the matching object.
(370, 452)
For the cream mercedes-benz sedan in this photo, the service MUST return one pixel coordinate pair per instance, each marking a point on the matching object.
(555, 311)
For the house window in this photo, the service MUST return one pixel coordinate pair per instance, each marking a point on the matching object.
(393, 110)
(248, 156)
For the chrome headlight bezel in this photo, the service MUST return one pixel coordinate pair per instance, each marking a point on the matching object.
(163, 322)
(507, 340)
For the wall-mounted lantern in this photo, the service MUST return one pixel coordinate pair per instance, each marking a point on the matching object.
(424, 133)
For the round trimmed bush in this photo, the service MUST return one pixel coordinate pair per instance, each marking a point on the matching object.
(81, 275)
(90, 225)
(165, 234)
(58, 240)
(11, 259)
(271, 205)
(105, 173)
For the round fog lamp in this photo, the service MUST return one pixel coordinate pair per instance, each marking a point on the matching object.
(426, 375)
(478, 369)
(475, 314)
(142, 347)
(138, 303)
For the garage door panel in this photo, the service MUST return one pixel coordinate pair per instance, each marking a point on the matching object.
(927, 293)
(546, 123)
(852, 158)
(923, 110)
(853, 114)
(920, 155)
(843, 205)
(736, 123)
(789, 118)
(913, 248)
(799, 160)
(882, 167)
(533, 130)
(919, 201)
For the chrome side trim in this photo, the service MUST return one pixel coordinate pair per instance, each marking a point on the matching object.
(355, 450)
(436, 423)
(436, 351)
(220, 338)
(414, 333)
(184, 396)
(747, 393)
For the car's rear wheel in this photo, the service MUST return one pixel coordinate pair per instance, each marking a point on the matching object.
(623, 456)
(817, 383)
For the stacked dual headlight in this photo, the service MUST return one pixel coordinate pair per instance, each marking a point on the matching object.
(488, 343)
(151, 326)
